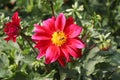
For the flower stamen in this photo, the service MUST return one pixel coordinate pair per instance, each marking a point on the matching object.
(59, 38)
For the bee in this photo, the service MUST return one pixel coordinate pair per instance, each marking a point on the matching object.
(62, 38)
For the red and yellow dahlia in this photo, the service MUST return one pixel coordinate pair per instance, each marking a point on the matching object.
(12, 28)
(57, 39)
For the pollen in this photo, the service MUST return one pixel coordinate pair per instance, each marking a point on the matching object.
(59, 38)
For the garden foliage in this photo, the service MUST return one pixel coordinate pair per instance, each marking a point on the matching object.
(89, 44)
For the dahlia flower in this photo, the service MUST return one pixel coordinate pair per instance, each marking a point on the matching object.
(12, 28)
(57, 39)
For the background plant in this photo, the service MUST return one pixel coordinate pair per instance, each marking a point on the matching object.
(101, 22)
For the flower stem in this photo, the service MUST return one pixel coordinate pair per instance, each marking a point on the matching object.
(27, 39)
(111, 73)
(85, 36)
(25, 28)
(51, 5)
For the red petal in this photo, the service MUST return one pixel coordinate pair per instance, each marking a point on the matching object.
(61, 61)
(15, 19)
(14, 39)
(38, 28)
(40, 37)
(5, 29)
(52, 54)
(73, 31)
(69, 21)
(15, 16)
(56, 54)
(66, 53)
(60, 22)
(42, 44)
(7, 39)
(49, 24)
(72, 52)
(40, 55)
(76, 43)
(79, 53)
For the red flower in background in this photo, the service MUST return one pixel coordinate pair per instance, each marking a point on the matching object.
(58, 40)
(12, 28)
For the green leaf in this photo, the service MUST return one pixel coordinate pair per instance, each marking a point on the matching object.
(4, 64)
(28, 59)
(5, 73)
(90, 65)
(92, 53)
(18, 57)
(91, 60)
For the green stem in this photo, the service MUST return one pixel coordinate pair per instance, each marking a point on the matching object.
(25, 28)
(108, 8)
(111, 73)
(51, 5)
(25, 37)
(87, 7)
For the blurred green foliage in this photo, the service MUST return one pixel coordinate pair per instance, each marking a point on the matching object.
(101, 22)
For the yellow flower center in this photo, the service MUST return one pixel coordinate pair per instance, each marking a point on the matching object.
(59, 38)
